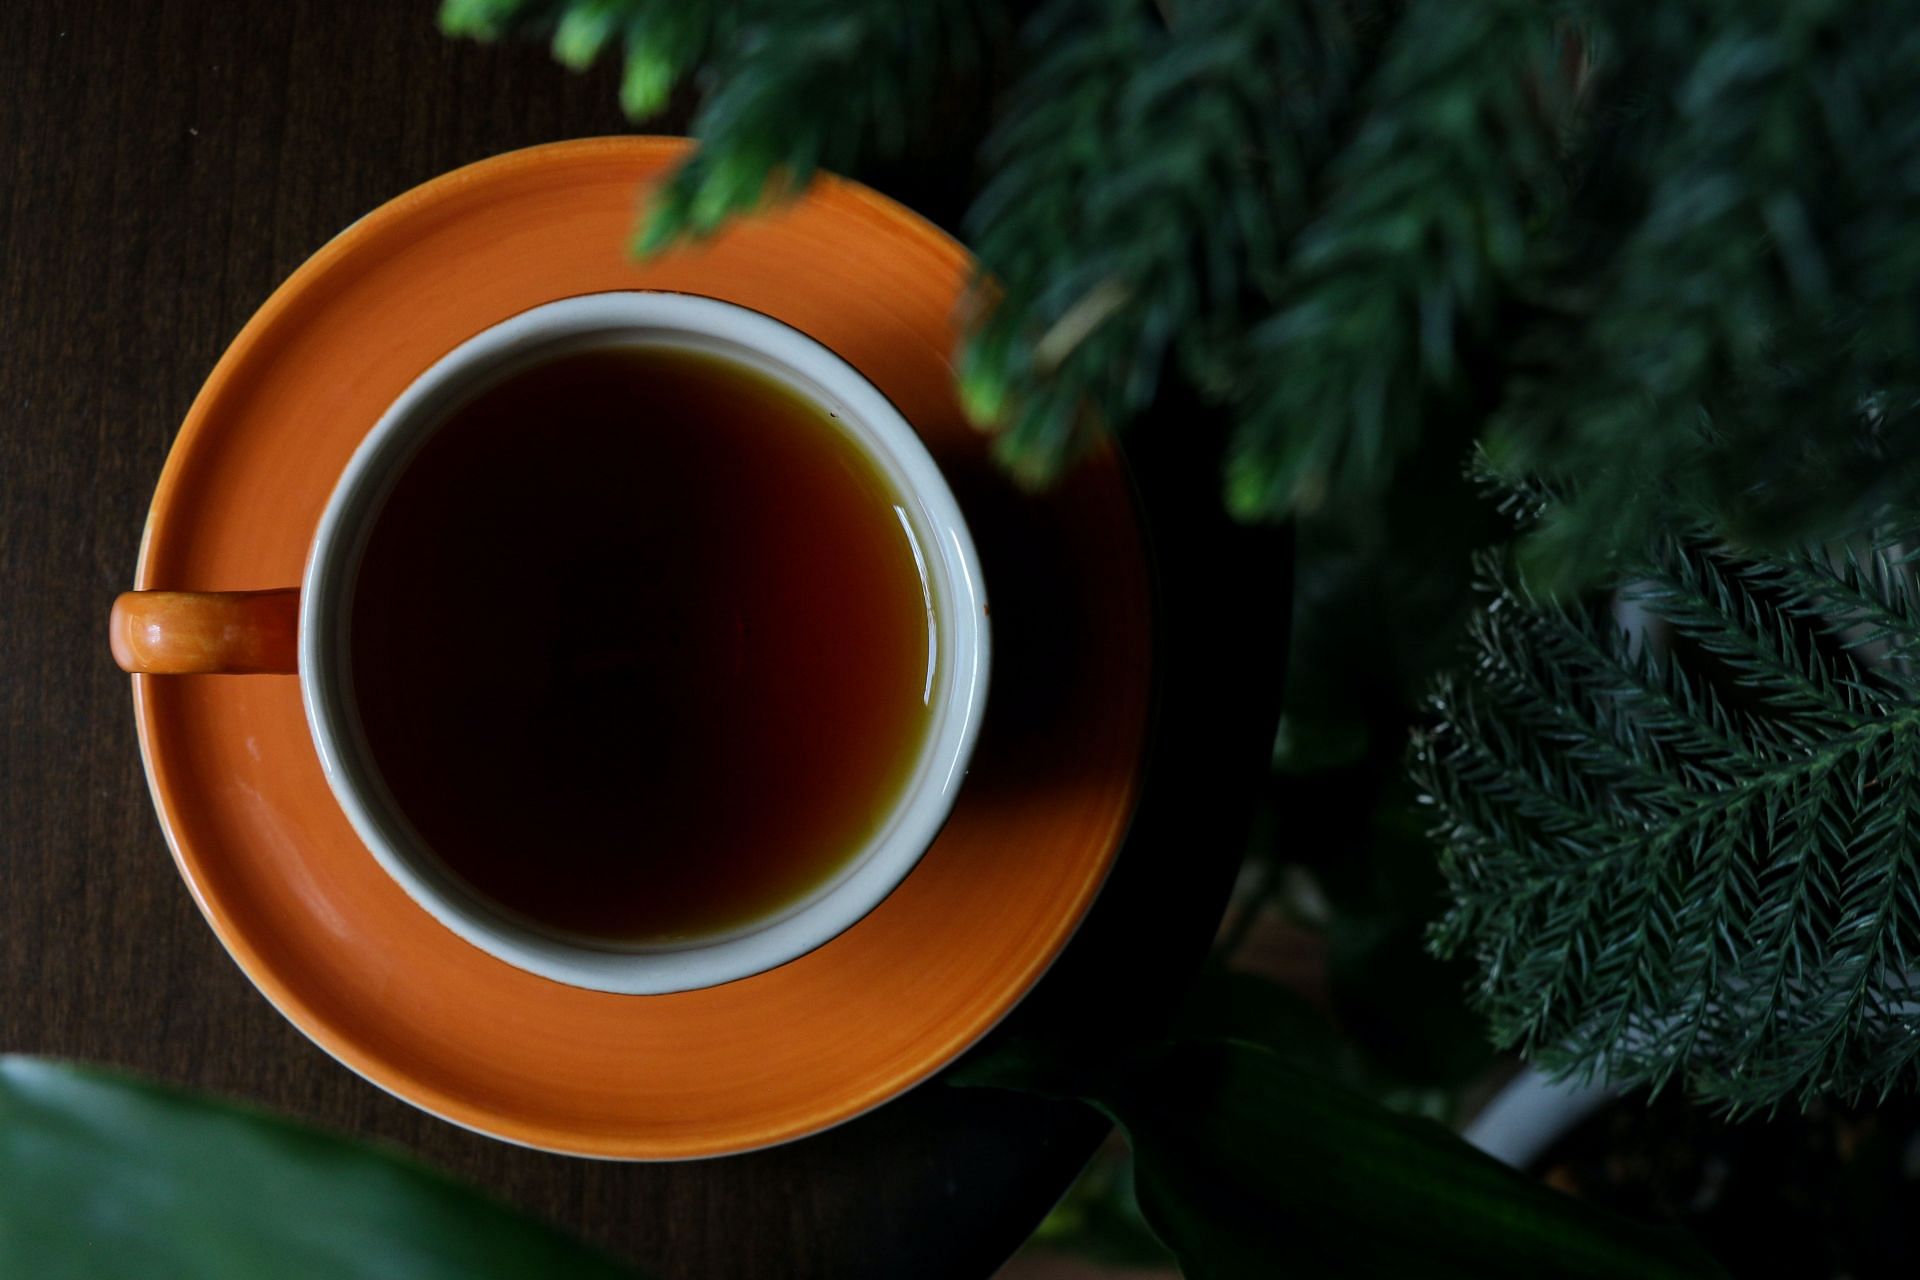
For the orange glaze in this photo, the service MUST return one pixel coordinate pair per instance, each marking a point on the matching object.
(350, 959)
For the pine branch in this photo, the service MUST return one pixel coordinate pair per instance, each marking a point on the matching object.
(1866, 603)
(1658, 888)
(1672, 244)
(1425, 224)
(792, 86)
(1701, 595)
(1147, 176)
(800, 86)
(1727, 312)
(661, 41)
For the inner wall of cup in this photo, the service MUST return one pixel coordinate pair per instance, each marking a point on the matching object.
(338, 568)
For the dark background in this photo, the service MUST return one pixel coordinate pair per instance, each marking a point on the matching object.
(162, 167)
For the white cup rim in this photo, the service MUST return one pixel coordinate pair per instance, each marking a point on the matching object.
(960, 634)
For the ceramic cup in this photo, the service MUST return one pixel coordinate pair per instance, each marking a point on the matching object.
(304, 630)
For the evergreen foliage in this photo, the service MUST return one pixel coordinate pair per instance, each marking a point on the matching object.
(1146, 181)
(1659, 259)
(1665, 246)
(788, 87)
(1721, 319)
(1423, 225)
(1691, 852)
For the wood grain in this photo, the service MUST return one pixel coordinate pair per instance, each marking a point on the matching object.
(165, 165)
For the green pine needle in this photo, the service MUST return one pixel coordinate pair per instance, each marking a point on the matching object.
(1691, 853)
(1727, 323)
(1426, 221)
(1147, 176)
(1664, 250)
(490, 19)
(798, 86)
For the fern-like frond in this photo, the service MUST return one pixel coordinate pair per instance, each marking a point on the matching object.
(800, 86)
(1426, 220)
(792, 86)
(1868, 601)
(1663, 251)
(1147, 174)
(1727, 317)
(661, 42)
(1695, 863)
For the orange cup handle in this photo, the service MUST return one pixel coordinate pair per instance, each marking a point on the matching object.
(204, 632)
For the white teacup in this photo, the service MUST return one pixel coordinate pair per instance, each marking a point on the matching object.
(175, 632)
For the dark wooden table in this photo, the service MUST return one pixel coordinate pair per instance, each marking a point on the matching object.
(163, 165)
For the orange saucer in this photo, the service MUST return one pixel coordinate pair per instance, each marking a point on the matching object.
(347, 956)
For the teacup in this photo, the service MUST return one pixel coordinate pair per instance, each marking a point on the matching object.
(307, 630)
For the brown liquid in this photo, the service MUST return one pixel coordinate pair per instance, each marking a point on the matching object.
(640, 646)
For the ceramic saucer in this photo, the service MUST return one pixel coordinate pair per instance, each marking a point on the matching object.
(346, 955)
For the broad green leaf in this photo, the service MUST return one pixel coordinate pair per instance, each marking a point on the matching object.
(1099, 1219)
(103, 1176)
(1248, 1166)
(1228, 1005)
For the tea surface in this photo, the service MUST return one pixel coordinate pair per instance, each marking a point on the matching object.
(640, 645)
